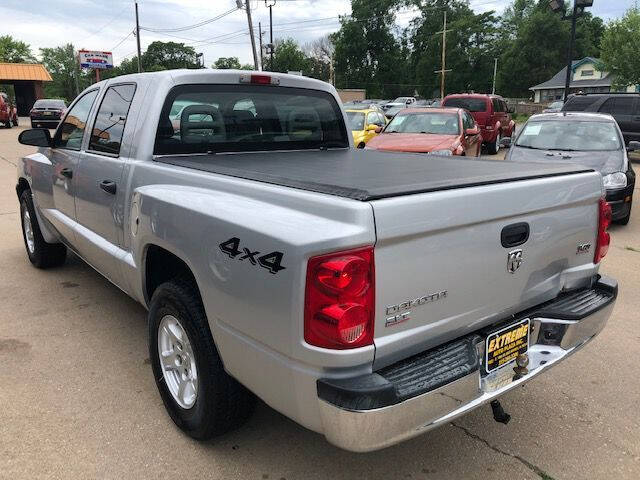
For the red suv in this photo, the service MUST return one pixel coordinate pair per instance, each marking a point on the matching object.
(491, 114)
(8, 113)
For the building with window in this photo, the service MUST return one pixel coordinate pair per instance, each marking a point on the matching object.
(585, 77)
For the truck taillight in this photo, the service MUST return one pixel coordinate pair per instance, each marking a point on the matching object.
(339, 302)
(603, 239)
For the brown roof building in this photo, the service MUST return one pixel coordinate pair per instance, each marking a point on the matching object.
(27, 80)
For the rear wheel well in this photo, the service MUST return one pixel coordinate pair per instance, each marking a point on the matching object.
(161, 266)
(22, 186)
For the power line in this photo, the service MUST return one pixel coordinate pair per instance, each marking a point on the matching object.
(105, 25)
(190, 27)
(122, 40)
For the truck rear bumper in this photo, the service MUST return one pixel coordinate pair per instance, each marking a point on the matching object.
(373, 412)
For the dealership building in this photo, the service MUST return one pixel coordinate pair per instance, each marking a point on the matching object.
(27, 80)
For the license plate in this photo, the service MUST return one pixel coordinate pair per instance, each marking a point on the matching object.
(47, 113)
(502, 347)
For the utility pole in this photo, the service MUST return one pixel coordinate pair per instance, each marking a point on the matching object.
(270, 5)
(443, 70)
(495, 71)
(247, 5)
(138, 40)
(260, 33)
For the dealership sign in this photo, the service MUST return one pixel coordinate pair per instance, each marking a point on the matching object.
(91, 59)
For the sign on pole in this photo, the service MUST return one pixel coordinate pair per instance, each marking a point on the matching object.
(95, 60)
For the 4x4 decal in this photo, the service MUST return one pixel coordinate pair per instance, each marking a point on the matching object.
(270, 261)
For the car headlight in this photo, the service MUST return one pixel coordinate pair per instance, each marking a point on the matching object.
(441, 152)
(615, 180)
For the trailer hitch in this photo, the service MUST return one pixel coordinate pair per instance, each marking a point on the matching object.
(499, 415)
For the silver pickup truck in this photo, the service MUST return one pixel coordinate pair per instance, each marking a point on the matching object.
(368, 296)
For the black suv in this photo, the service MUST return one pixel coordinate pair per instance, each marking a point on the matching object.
(624, 107)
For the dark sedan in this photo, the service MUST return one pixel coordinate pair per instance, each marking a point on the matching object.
(47, 113)
(589, 139)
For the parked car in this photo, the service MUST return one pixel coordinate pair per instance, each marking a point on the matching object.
(8, 112)
(47, 112)
(490, 112)
(624, 107)
(363, 106)
(422, 103)
(369, 296)
(365, 124)
(554, 107)
(441, 131)
(590, 139)
(389, 113)
(399, 102)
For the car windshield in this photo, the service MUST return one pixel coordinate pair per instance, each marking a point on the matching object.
(356, 120)
(556, 105)
(401, 100)
(471, 104)
(569, 135)
(240, 118)
(427, 122)
(49, 104)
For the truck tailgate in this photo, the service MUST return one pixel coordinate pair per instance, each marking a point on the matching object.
(442, 270)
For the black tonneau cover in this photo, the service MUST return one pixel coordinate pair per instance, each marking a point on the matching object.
(367, 174)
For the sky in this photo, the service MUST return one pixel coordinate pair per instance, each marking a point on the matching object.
(107, 25)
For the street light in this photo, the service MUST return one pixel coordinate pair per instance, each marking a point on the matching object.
(578, 10)
(556, 6)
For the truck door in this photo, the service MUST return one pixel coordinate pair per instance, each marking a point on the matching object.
(64, 156)
(100, 193)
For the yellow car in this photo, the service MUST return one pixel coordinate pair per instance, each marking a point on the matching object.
(365, 124)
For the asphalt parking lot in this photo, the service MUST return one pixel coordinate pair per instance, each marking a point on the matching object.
(78, 400)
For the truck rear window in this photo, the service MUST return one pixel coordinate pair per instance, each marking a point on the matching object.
(240, 118)
(471, 104)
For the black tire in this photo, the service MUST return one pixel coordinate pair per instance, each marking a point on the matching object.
(361, 145)
(624, 220)
(221, 404)
(9, 123)
(494, 147)
(16, 123)
(44, 255)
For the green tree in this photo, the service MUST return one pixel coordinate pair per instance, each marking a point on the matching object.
(471, 47)
(320, 53)
(15, 51)
(227, 63)
(230, 63)
(620, 47)
(169, 55)
(288, 56)
(62, 64)
(534, 43)
(367, 53)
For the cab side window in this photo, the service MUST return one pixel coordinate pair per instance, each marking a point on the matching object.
(618, 106)
(70, 132)
(106, 136)
(467, 121)
(372, 118)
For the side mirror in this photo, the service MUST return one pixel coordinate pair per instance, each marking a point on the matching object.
(408, 102)
(505, 142)
(633, 146)
(36, 137)
(472, 131)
